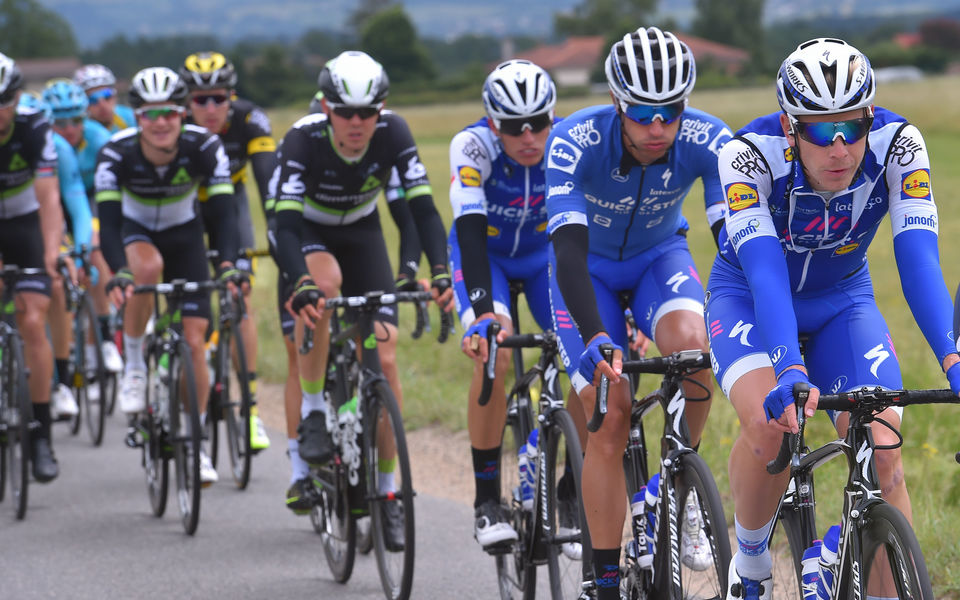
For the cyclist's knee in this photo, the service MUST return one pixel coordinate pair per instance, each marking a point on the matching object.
(762, 440)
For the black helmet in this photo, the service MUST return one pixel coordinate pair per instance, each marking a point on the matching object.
(207, 71)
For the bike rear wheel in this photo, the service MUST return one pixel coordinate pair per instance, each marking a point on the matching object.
(386, 458)
(563, 464)
(693, 483)
(516, 574)
(891, 561)
(235, 401)
(787, 544)
(331, 519)
(87, 375)
(18, 415)
(186, 437)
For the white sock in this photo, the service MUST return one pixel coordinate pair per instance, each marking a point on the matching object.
(753, 559)
(299, 468)
(133, 354)
(312, 402)
(385, 482)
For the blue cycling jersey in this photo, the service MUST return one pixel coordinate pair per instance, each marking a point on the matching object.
(72, 195)
(629, 207)
(95, 136)
(123, 118)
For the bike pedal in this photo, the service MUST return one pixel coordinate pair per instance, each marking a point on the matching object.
(499, 549)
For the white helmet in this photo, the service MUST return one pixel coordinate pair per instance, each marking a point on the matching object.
(93, 76)
(157, 84)
(355, 79)
(10, 79)
(825, 76)
(649, 66)
(516, 89)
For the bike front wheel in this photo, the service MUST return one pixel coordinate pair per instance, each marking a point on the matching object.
(516, 573)
(331, 519)
(90, 374)
(18, 414)
(186, 436)
(235, 401)
(390, 489)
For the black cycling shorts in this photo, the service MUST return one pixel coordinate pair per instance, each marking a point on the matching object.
(21, 244)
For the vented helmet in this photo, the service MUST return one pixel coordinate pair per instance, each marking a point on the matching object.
(825, 76)
(65, 99)
(517, 89)
(650, 66)
(10, 79)
(157, 84)
(94, 76)
(354, 79)
(208, 71)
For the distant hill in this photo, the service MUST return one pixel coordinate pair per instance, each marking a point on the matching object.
(93, 21)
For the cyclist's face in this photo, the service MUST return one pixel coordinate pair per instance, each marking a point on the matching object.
(7, 113)
(102, 110)
(163, 131)
(647, 143)
(351, 136)
(828, 168)
(526, 148)
(70, 130)
(212, 112)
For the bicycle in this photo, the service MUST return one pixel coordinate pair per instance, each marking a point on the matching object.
(682, 472)
(16, 409)
(553, 531)
(86, 345)
(169, 428)
(870, 527)
(367, 429)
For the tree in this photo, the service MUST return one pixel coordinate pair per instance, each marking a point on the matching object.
(737, 24)
(390, 38)
(941, 33)
(29, 30)
(366, 11)
(601, 17)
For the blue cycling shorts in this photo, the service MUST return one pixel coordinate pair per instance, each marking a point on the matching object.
(658, 281)
(848, 344)
(530, 269)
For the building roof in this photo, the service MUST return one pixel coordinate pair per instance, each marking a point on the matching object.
(39, 70)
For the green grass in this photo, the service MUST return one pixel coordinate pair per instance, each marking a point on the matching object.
(436, 378)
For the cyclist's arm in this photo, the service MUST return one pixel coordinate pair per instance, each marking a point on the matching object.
(46, 187)
(570, 245)
(468, 172)
(73, 194)
(288, 208)
(410, 248)
(108, 197)
(262, 164)
(218, 209)
(714, 199)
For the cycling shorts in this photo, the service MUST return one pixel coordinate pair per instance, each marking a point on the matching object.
(848, 344)
(657, 281)
(21, 244)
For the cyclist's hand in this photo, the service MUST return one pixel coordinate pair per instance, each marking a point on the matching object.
(232, 277)
(442, 288)
(474, 342)
(405, 283)
(779, 403)
(953, 376)
(591, 361)
(120, 287)
(307, 301)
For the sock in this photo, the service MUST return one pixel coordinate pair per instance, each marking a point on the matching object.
(606, 567)
(385, 478)
(41, 412)
(312, 397)
(486, 471)
(252, 383)
(299, 468)
(753, 560)
(104, 322)
(133, 354)
(63, 370)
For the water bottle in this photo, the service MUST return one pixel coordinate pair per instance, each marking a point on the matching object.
(650, 499)
(161, 388)
(827, 562)
(532, 452)
(210, 352)
(643, 544)
(811, 571)
(526, 490)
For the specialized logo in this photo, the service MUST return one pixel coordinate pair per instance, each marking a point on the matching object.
(181, 177)
(563, 156)
(877, 354)
(741, 196)
(17, 163)
(666, 177)
(846, 249)
(585, 134)
(469, 177)
(916, 184)
(676, 281)
(742, 330)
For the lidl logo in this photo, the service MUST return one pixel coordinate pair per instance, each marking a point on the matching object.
(492, 231)
(916, 184)
(469, 177)
(181, 177)
(17, 163)
(542, 227)
(846, 249)
(788, 154)
(741, 196)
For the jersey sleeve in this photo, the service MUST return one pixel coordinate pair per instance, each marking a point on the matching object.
(291, 172)
(566, 202)
(43, 152)
(108, 195)
(469, 169)
(714, 199)
(215, 167)
(72, 193)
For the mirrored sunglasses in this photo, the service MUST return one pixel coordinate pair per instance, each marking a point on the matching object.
(69, 122)
(205, 99)
(824, 133)
(160, 112)
(104, 94)
(646, 114)
(516, 127)
(347, 112)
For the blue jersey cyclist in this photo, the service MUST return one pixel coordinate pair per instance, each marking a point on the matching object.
(616, 178)
(806, 190)
(497, 189)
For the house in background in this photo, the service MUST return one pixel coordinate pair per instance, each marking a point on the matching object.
(37, 71)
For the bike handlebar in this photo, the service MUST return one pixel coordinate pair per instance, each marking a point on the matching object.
(523, 340)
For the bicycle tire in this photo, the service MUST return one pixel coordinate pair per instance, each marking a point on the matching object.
(887, 540)
(364, 537)
(382, 418)
(236, 412)
(186, 437)
(711, 582)
(332, 520)
(786, 551)
(563, 458)
(19, 415)
(90, 375)
(516, 574)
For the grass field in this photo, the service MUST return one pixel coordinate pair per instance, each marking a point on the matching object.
(435, 378)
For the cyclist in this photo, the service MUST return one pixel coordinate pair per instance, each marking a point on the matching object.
(245, 132)
(806, 190)
(68, 105)
(332, 168)
(499, 235)
(31, 223)
(100, 85)
(616, 179)
(147, 186)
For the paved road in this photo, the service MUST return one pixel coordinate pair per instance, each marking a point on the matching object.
(90, 534)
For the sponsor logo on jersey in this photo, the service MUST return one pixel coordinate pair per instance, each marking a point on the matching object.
(838, 384)
(928, 221)
(560, 190)
(471, 207)
(17, 163)
(469, 177)
(789, 154)
(777, 354)
(602, 221)
(180, 177)
(492, 231)
(753, 225)
(415, 169)
(585, 134)
(916, 184)
(477, 293)
(695, 131)
(563, 156)
(846, 249)
(542, 227)
(741, 196)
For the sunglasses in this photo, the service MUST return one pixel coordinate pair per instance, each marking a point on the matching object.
(646, 114)
(160, 112)
(516, 127)
(104, 94)
(824, 133)
(205, 99)
(69, 122)
(347, 112)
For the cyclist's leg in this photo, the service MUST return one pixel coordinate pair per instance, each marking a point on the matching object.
(60, 333)
(248, 326)
(101, 303)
